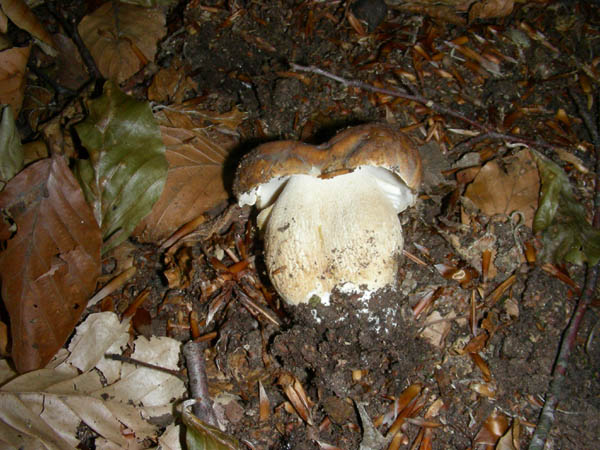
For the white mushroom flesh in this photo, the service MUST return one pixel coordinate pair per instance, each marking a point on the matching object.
(322, 233)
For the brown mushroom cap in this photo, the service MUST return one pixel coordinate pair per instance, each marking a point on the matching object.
(378, 145)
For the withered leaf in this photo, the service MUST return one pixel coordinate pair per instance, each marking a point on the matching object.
(503, 190)
(22, 16)
(13, 63)
(50, 266)
(195, 182)
(122, 38)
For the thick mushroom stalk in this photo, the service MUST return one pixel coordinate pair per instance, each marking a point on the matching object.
(330, 213)
(321, 233)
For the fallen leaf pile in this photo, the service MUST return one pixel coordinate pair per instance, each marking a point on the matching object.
(44, 408)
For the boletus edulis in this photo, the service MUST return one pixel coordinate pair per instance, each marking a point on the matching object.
(329, 213)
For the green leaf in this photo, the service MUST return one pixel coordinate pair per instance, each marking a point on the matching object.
(11, 151)
(126, 170)
(202, 436)
(566, 234)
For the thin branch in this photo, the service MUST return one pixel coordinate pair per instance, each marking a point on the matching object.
(487, 132)
(196, 367)
(137, 362)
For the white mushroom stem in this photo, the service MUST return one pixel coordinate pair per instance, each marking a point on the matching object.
(323, 233)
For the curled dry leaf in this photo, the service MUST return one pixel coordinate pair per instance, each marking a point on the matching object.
(489, 9)
(122, 38)
(50, 266)
(20, 14)
(494, 426)
(499, 189)
(295, 393)
(13, 63)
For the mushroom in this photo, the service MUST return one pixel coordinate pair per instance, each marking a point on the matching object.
(329, 213)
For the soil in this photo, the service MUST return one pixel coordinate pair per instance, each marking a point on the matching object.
(358, 351)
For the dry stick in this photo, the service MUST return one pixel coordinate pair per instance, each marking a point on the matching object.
(486, 131)
(196, 368)
(591, 278)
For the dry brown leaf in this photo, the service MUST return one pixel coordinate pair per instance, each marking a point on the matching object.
(489, 9)
(71, 72)
(194, 181)
(50, 266)
(20, 14)
(122, 38)
(13, 63)
(171, 84)
(437, 328)
(503, 190)
(3, 22)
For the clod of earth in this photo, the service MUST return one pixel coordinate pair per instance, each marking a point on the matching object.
(329, 213)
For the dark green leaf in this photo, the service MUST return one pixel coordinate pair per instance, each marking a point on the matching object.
(11, 151)
(127, 168)
(566, 233)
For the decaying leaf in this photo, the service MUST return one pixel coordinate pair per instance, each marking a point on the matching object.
(11, 150)
(566, 233)
(126, 170)
(50, 266)
(202, 436)
(122, 38)
(43, 409)
(437, 328)
(503, 190)
(13, 63)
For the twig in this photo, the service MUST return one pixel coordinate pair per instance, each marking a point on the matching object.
(486, 131)
(137, 362)
(591, 279)
(194, 360)
(72, 31)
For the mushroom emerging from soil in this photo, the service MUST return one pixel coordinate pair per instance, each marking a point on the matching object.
(329, 213)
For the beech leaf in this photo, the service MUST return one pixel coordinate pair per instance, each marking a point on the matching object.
(504, 189)
(22, 16)
(13, 63)
(50, 266)
(194, 183)
(126, 169)
(122, 38)
(11, 150)
(45, 408)
(567, 235)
